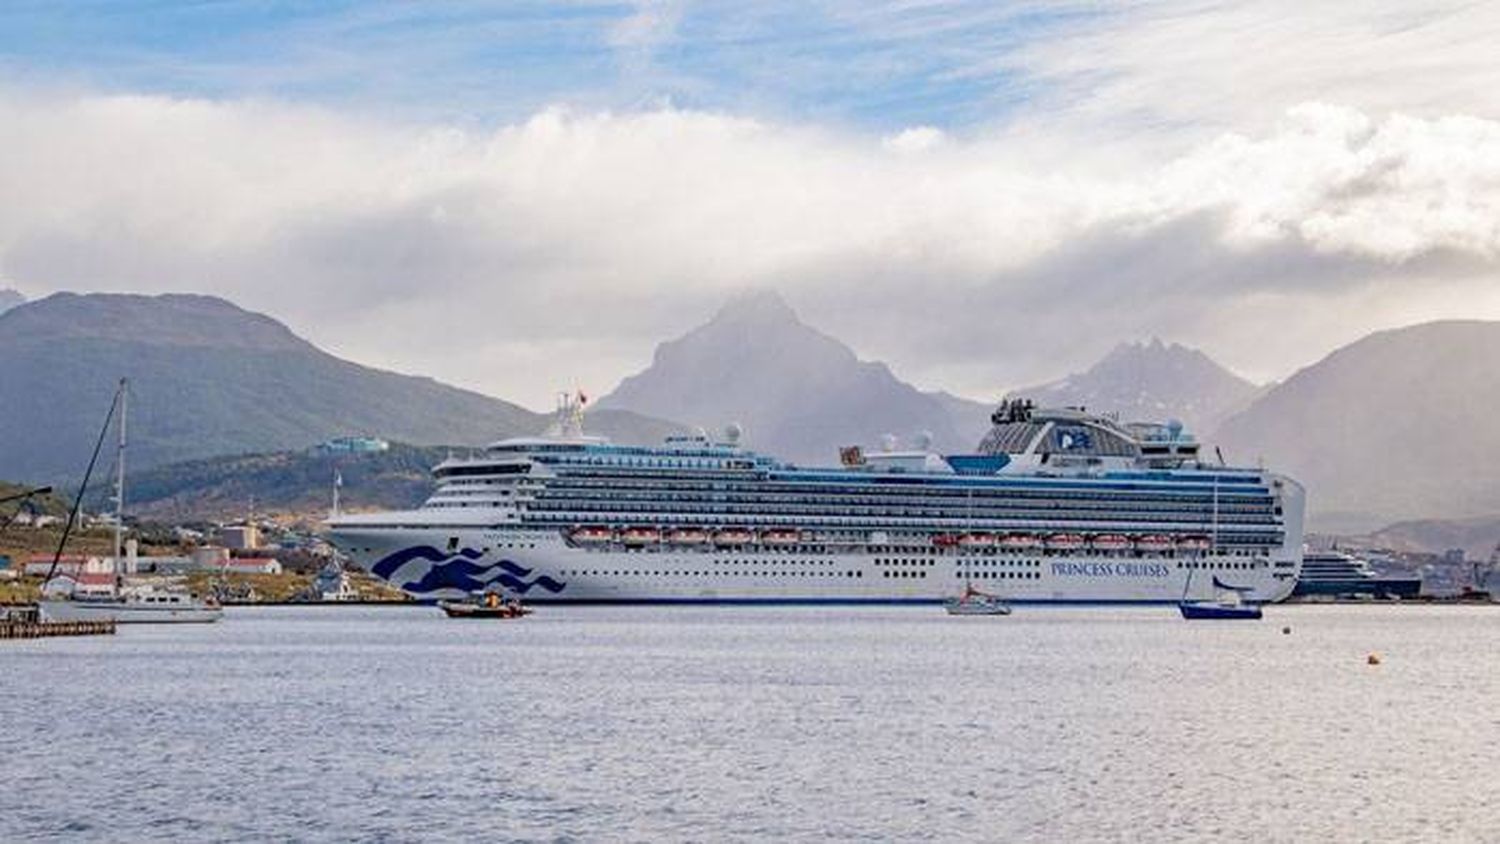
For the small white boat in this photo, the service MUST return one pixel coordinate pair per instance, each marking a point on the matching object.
(134, 605)
(975, 602)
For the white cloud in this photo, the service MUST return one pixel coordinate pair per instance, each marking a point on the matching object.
(1263, 212)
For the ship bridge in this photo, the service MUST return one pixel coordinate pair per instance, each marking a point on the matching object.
(1073, 436)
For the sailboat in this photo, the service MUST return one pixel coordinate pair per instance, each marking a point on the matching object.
(117, 601)
(973, 601)
(1228, 603)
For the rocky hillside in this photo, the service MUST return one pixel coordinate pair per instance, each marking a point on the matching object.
(1152, 382)
(1398, 425)
(798, 393)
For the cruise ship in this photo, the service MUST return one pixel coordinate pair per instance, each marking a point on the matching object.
(1333, 574)
(1055, 505)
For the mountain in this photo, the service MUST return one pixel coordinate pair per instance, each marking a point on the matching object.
(1477, 536)
(10, 299)
(1398, 425)
(1152, 382)
(296, 482)
(798, 393)
(209, 378)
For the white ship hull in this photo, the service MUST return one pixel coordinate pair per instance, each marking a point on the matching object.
(543, 567)
(126, 612)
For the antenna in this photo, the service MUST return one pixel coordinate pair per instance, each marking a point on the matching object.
(338, 481)
(120, 484)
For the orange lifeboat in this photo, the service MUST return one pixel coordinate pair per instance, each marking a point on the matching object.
(1064, 542)
(1155, 542)
(780, 536)
(1019, 541)
(687, 536)
(1193, 543)
(640, 536)
(977, 540)
(1110, 542)
(592, 534)
(733, 536)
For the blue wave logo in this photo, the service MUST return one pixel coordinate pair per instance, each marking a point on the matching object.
(424, 570)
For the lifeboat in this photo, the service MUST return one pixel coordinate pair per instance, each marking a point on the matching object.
(1019, 541)
(592, 534)
(977, 540)
(640, 536)
(687, 536)
(1193, 543)
(780, 536)
(1065, 542)
(1110, 542)
(945, 540)
(1155, 542)
(733, 536)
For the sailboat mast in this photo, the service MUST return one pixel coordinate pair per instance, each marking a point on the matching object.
(120, 488)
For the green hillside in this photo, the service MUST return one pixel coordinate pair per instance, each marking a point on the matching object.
(209, 378)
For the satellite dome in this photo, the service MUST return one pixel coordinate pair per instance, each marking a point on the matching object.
(888, 442)
(923, 440)
(733, 431)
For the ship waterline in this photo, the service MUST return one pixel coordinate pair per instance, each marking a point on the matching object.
(1058, 506)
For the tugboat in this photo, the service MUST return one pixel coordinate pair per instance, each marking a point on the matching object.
(488, 605)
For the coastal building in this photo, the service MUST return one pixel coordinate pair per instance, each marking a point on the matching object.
(240, 537)
(352, 445)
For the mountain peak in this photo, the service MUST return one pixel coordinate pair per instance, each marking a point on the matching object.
(761, 306)
(172, 319)
(1152, 380)
(799, 393)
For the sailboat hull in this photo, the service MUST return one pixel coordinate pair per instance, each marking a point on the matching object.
(1218, 611)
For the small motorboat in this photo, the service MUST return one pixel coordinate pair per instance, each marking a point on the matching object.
(975, 602)
(488, 605)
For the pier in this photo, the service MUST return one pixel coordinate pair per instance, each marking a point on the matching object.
(26, 623)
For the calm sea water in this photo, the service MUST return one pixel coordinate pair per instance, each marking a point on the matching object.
(648, 723)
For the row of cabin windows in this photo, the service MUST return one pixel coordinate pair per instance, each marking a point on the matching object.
(731, 573)
(713, 513)
(574, 488)
(1222, 564)
(1002, 575)
(552, 495)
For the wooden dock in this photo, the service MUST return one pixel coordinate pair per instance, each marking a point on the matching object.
(26, 623)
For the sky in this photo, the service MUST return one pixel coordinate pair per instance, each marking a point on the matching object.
(524, 197)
